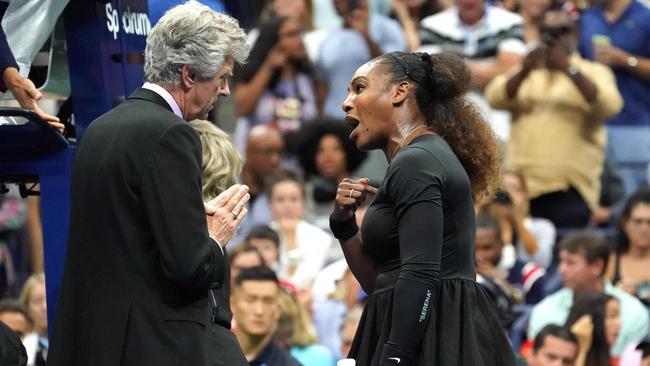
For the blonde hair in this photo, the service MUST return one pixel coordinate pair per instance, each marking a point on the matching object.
(31, 282)
(26, 294)
(296, 322)
(221, 161)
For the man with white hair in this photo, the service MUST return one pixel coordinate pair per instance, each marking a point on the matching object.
(143, 248)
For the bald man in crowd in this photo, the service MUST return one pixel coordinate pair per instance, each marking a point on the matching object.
(264, 149)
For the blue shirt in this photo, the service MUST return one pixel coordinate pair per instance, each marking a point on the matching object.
(631, 33)
(344, 50)
(313, 355)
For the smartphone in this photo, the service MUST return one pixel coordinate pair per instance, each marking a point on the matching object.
(600, 40)
(502, 197)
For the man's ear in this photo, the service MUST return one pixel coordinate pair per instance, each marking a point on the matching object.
(187, 77)
(598, 268)
(399, 93)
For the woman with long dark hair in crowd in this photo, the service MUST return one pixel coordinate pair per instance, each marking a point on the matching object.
(278, 85)
(327, 156)
(628, 265)
(415, 254)
(595, 319)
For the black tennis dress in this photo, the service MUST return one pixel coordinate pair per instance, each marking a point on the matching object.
(426, 307)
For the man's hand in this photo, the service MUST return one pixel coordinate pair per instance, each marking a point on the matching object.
(488, 269)
(557, 57)
(534, 59)
(601, 215)
(611, 56)
(225, 212)
(27, 95)
(583, 329)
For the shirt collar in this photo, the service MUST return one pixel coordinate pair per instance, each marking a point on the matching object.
(166, 95)
(267, 353)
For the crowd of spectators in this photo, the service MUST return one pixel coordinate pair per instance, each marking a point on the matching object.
(563, 248)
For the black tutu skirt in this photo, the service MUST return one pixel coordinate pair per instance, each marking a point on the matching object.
(463, 330)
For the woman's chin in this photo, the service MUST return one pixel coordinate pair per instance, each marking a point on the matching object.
(361, 146)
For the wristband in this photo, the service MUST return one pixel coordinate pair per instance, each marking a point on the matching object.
(343, 230)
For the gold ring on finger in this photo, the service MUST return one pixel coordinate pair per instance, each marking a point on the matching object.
(351, 191)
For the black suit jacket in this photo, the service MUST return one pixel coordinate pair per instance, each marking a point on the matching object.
(140, 261)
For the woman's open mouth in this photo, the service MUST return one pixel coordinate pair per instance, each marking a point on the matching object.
(353, 122)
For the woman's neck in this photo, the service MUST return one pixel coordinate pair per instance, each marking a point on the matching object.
(405, 134)
(288, 71)
(637, 252)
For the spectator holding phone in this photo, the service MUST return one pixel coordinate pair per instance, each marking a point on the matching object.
(532, 237)
(364, 35)
(559, 102)
(617, 34)
(278, 85)
(628, 265)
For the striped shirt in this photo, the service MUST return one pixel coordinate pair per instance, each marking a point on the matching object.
(498, 31)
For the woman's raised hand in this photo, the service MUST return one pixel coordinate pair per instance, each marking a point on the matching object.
(349, 196)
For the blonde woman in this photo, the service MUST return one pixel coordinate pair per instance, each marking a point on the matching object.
(32, 297)
(297, 333)
(221, 166)
(221, 161)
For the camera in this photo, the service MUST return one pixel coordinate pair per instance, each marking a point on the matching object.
(502, 197)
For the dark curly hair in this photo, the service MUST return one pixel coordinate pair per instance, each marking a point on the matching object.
(441, 82)
(641, 196)
(310, 138)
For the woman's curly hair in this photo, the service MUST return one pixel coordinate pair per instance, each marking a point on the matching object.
(442, 81)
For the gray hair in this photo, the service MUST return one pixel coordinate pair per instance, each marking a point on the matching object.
(192, 34)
